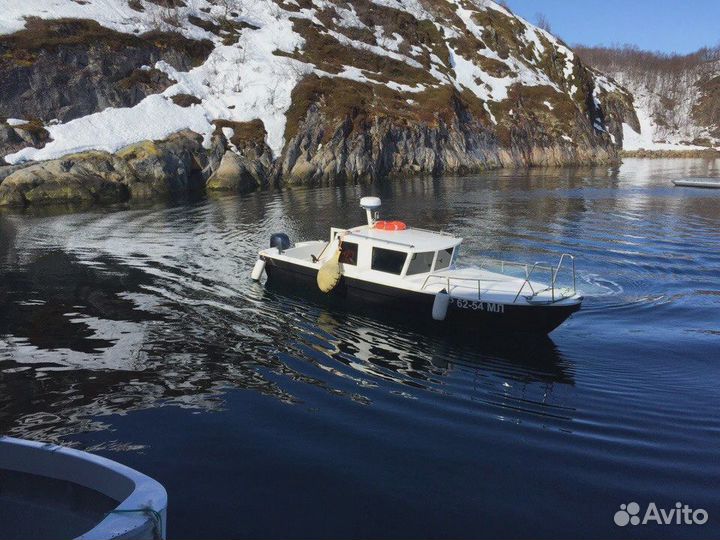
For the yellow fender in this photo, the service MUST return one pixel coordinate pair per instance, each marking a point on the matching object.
(330, 273)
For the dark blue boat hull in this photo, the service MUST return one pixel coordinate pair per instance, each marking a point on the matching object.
(476, 316)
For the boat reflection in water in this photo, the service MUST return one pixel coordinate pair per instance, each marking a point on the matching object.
(516, 374)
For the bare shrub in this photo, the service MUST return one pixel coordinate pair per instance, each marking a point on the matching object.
(632, 58)
(171, 16)
(185, 100)
(542, 22)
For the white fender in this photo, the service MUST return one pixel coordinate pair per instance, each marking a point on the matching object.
(440, 306)
(258, 270)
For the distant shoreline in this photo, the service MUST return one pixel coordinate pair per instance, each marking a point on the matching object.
(709, 153)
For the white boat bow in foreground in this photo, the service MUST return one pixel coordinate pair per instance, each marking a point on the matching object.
(49, 491)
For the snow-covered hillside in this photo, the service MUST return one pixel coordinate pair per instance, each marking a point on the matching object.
(664, 107)
(491, 88)
(675, 97)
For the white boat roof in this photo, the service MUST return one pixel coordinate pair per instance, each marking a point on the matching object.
(410, 239)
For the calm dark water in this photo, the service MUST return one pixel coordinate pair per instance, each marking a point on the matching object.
(135, 332)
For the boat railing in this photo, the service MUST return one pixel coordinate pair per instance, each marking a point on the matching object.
(554, 273)
(442, 233)
(530, 271)
(376, 239)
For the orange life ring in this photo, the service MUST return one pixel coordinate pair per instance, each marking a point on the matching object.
(390, 225)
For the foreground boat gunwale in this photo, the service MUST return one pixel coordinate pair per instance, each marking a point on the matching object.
(141, 511)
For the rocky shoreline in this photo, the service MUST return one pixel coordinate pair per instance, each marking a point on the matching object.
(181, 164)
(142, 171)
(705, 153)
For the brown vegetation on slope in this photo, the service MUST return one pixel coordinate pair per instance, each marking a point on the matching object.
(50, 35)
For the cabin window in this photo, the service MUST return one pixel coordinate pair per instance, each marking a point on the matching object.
(420, 263)
(348, 253)
(455, 255)
(444, 257)
(388, 260)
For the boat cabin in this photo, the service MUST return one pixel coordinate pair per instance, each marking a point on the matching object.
(388, 263)
(403, 253)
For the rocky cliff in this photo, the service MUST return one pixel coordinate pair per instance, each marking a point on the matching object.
(289, 91)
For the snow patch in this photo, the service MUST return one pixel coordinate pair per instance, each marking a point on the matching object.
(492, 116)
(348, 18)
(153, 118)
(468, 74)
(391, 43)
(633, 140)
(356, 74)
(414, 7)
(677, 126)
(532, 37)
(228, 132)
(466, 17)
(380, 51)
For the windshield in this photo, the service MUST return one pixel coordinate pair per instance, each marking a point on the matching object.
(444, 257)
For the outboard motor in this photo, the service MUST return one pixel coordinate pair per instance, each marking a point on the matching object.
(281, 241)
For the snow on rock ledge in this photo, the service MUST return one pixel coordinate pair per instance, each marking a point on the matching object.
(154, 118)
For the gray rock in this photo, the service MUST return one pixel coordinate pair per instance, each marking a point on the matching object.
(248, 163)
(69, 68)
(8, 136)
(14, 138)
(163, 167)
(234, 175)
(7, 170)
(91, 176)
(147, 169)
(384, 149)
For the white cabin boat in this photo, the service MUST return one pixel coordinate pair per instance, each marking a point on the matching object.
(707, 183)
(416, 270)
